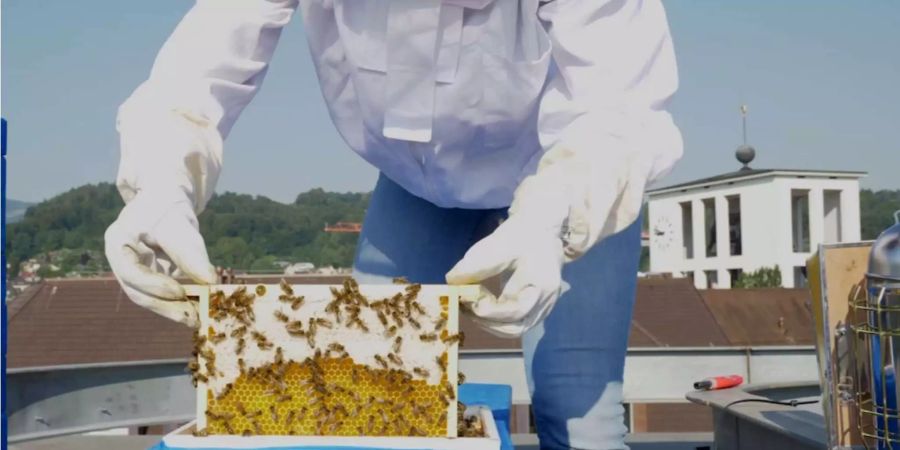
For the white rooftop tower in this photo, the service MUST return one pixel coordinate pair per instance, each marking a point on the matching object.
(715, 228)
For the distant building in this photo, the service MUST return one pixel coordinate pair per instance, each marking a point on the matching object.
(299, 268)
(714, 229)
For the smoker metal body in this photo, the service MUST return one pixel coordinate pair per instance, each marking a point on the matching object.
(875, 344)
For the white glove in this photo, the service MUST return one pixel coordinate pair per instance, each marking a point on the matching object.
(156, 232)
(170, 162)
(526, 251)
(557, 214)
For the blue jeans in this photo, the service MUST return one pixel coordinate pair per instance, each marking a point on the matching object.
(574, 360)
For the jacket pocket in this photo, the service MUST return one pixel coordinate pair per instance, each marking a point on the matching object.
(516, 61)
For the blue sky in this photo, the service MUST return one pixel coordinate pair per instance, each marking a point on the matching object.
(820, 78)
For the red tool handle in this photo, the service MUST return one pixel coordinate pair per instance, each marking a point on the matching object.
(719, 382)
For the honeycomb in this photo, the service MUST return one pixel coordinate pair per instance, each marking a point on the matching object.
(274, 363)
(357, 401)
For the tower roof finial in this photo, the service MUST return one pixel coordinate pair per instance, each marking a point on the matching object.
(745, 153)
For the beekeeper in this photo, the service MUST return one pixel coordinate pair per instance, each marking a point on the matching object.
(550, 112)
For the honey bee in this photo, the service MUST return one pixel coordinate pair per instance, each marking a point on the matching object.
(285, 287)
(246, 432)
(428, 337)
(400, 280)
(342, 409)
(216, 338)
(439, 325)
(295, 305)
(441, 363)
(238, 332)
(397, 343)
(256, 427)
(370, 425)
(282, 317)
(414, 323)
(382, 318)
(323, 323)
(335, 347)
(421, 372)
(407, 306)
(460, 378)
(390, 332)
(381, 361)
(354, 375)
(289, 418)
(453, 338)
(295, 329)
(418, 308)
(450, 391)
(225, 391)
(240, 346)
(201, 433)
(397, 318)
(395, 359)
(242, 410)
(416, 431)
(274, 413)
(362, 325)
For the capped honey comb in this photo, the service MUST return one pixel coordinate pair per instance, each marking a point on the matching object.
(336, 360)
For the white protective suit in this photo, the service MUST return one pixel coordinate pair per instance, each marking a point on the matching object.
(457, 101)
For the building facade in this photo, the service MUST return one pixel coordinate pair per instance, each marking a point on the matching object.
(714, 229)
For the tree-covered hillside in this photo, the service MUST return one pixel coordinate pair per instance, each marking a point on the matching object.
(877, 211)
(241, 231)
(244, 231)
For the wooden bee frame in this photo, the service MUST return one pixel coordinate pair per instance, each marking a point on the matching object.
(368, 340)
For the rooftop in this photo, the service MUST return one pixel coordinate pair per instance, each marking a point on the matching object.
(73, 321)
(87, 337)
(748, 174)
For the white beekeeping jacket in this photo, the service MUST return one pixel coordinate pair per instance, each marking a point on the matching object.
(455, 100)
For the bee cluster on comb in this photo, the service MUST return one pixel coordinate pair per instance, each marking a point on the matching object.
(332, 362)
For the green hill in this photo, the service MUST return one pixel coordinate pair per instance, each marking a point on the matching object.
(241, 231)
(877, 211)
(245, 231)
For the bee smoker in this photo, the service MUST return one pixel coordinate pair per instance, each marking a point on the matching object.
(877, 344)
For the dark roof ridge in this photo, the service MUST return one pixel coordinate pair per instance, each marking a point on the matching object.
(741, 173)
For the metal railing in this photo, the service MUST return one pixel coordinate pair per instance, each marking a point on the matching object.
(52, 401)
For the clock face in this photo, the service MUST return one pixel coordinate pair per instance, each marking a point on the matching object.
(663, 233)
